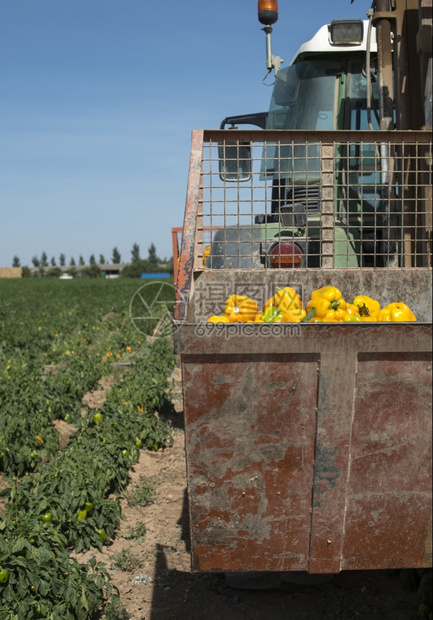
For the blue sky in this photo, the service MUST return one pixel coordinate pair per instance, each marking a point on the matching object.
(98, 99)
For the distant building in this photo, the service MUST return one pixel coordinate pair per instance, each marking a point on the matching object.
(11, 272)
(107, 271)
(113, 270)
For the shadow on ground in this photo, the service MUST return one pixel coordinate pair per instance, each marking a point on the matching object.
(372, 595)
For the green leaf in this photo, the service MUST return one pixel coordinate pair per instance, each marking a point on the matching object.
(18, 545)
(83, 599)
(44, 588)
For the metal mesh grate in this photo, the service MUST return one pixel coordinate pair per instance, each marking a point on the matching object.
(333, 200)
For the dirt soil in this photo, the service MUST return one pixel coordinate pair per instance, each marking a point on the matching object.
(157, 583)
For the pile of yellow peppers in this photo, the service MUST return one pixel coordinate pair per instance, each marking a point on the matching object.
(326, 305)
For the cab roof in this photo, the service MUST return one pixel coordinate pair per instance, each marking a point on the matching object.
(321, 42)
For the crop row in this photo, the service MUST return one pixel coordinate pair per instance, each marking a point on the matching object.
(59, 500)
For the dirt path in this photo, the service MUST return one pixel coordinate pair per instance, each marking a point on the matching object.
(156, 582)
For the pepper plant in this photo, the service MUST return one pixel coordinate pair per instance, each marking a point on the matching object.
(55, 346)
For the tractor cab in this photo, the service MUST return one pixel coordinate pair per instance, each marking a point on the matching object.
(330, 85)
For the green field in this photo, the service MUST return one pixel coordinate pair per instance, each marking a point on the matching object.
(58, 339)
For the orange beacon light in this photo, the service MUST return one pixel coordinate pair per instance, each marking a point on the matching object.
(268, 12)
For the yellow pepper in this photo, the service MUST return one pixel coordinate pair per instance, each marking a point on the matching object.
(353, 318)
(218, 319)
(285, 299)
(235, 300)
(397, 311)
(240, 309)
(293, 316)
(351, 309)
(321, 305)
(326, 300)
(368, 307)
(329, 316)
(340, 313)
(328, 292)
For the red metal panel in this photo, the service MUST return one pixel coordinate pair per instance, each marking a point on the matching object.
(250, 443)
(390, 463)
(318, 459)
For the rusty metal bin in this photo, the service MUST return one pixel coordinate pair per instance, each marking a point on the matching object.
(308, 445)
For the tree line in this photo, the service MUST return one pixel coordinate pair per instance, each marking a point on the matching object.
(134, 268)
